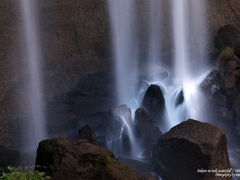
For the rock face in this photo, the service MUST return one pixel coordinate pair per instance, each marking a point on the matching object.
(190, 146)
(221, 13)
(146, 132)
(120, 121)
(8, 158)
(87, 134)
(212, 83)
(153, 103)
(228, 35)
(74, 45)
(80, 160)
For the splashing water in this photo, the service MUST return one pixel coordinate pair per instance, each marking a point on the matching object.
(189, 68)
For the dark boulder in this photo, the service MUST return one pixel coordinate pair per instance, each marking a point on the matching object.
(153, 103)
(87, 133)
(8, 158)
(145, 130)
(190, 146)
(80, 160)
(180, 98)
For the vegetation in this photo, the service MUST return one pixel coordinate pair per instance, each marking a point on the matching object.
(22, 174)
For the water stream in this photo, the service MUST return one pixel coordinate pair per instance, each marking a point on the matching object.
(189, 62)
(35, 122)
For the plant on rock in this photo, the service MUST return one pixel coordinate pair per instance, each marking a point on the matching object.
(22, 174)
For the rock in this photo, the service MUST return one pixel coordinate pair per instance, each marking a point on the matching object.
(87, 133)
(80, 160)
(147, 176)
(126, 146)
(180, 98)
(220, 100)
(8, 158)
(226, 113)
(146, 132)
(122, 113)
(190, 146)
(229, 82)
(212, 83)
(153, 103)
(236, 107)
(142, 168)
(227, 36)
(139, 166)
(120, 121)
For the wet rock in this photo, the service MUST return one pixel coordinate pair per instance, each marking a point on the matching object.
(212, 83)
(87, 133)
(80, 160)
(153, 103)
(8, 158)
(120, 123)
(190, 146)
(180, 98)
(226, 113)
(236, 107)
(146, 132)
(126, 145)
(122, 113)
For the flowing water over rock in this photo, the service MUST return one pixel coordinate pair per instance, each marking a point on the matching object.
(181, 94)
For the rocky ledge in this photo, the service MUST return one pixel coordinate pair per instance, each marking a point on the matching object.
(80, 160)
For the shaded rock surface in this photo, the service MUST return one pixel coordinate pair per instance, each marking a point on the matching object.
(87, 134)
(180, 98)
(138, 166)
(212, 83)
(190, 146)
(80, 160)
(228, 35)
(146, 132)
(8, 158)
(153, 103)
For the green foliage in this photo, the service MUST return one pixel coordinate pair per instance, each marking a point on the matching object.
(22, 174)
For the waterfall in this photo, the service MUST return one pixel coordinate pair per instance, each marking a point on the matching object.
(190, 67)
(35, 125)
(124, 48)
(189, 63)
(154, 40)
(125, 54)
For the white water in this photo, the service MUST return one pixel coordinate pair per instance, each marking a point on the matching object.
(124, 48)
(190, 41)
(189, 67)
(125, 55)
(154, 40)
(35, 130)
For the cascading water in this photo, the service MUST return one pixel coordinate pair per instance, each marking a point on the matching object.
(190, 67)
(124, 48)
(35, 130)
(126, 60)
(181, 90)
